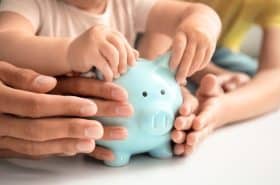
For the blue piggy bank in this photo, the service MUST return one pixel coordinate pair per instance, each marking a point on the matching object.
(156, 98)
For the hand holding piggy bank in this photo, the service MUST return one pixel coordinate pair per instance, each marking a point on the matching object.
(156, 98)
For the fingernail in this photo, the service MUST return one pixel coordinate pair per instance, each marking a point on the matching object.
(94, 132)
(123, 70)
(118, 94)
(179, 149)
(42, 80)
(89, 110)
(136, 54)
(106, 156)
(117, 76)
(85, 147)
(124, 110)
(118, 134)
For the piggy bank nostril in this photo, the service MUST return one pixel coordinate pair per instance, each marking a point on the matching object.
(144, 93)
(162, 92)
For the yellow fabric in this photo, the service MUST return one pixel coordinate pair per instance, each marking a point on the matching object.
(239, 15)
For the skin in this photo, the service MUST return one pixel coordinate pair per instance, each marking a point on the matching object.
(224, 92)
(194, 42)
(36, 125)
(255, 95)
(183, 23)
(149, 47)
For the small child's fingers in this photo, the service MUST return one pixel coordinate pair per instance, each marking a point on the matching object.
(184, 123)
(190, 103)
(119, 43)
(203, 119)
(242, 78)
(194, 138)
(178, 48)
(136, 53)
(178, 137)
(198, 59)
(131, 55)
(209, 87)
(111, 54)
(179, 149)
(186, 62)
(105, 69)
(207, 57)
(230, 86)
(236, 81)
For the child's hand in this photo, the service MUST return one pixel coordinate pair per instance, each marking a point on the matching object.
(191, 131)
(184, 121)
(194, 44)
(102, 48)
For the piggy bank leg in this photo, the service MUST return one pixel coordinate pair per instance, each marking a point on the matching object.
(121, 159)
(162, 152)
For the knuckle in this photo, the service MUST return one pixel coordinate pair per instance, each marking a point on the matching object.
(32, 132)
(34, 107)
(25, 74)
(114, 52)
(83, 67)
(68, 147)
(106, 90)
(74, 127)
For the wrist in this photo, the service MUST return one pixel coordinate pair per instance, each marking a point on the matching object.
(66, 54)
(203, 17)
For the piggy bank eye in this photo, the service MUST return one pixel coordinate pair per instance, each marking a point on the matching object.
(162, 92)
(145, 94)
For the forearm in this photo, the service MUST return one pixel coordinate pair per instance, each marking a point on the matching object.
(177, 13)
(153, 45)
(44, 55)
(258, 97)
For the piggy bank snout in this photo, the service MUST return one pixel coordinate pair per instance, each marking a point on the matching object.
(157, 122)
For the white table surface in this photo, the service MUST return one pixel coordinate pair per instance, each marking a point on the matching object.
(247, 153)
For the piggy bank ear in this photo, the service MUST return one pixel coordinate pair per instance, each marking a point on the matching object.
(163, 61)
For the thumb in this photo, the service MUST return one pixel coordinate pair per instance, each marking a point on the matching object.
(25, 79)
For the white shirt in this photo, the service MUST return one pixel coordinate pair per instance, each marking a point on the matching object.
(55, 18)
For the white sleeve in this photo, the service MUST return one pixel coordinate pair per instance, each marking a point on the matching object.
(141, 11)
(26, 8)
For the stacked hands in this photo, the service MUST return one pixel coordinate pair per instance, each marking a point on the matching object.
(109, 51)
(35, 124)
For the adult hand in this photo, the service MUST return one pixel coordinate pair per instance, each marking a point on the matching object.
(33, 124)
(111, 101)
